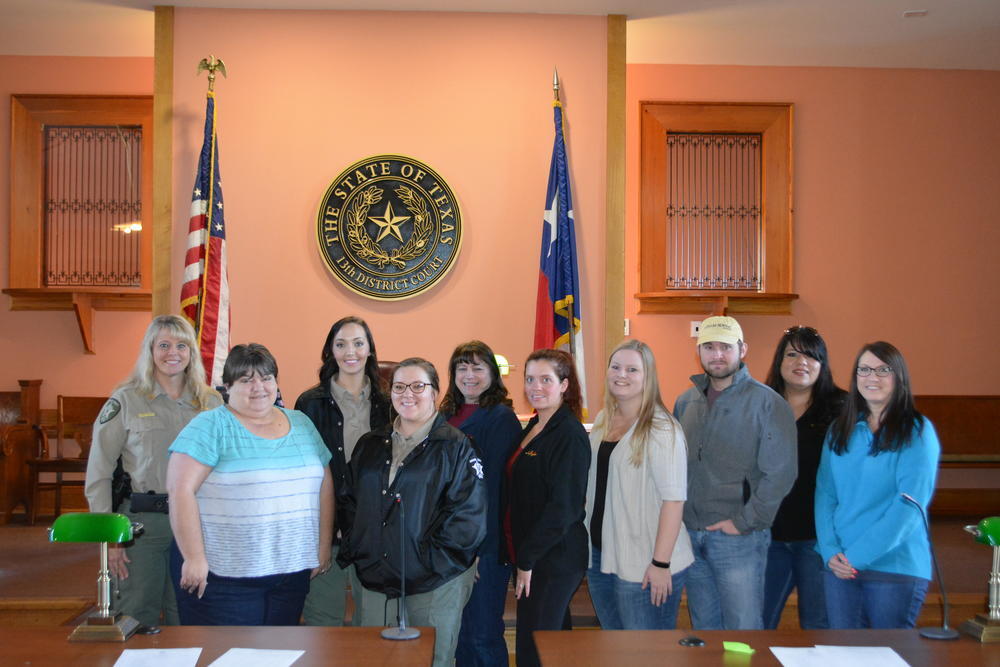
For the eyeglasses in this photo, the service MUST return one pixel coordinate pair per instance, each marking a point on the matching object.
(798, 327)
(415, 387)
(881, 371)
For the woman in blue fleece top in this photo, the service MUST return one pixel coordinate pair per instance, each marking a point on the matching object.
(872, 540)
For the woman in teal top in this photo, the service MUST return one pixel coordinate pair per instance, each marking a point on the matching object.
(872, 540)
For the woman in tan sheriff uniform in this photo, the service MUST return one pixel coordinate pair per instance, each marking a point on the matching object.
(138, 423)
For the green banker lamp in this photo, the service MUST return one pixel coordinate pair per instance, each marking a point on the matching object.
(986, 627)
(102, 625)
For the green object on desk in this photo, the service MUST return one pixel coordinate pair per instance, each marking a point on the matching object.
(987, 532)
(91, 527)
(738, 647)
(103, 528)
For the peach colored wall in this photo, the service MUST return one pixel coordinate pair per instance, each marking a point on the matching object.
(896, 210)
(47, 345)
(309, 93)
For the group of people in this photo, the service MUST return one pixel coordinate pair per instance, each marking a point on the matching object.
(740, 494)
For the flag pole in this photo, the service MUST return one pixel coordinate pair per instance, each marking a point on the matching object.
(569, 306)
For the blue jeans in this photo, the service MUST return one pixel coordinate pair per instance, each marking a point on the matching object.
(623, 605)
(725, 584)
(480, 641)
(276, 599)
(790, 565)
(876, 600)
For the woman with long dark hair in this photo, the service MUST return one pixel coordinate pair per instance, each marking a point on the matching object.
(871, 538)
(477, 403)
(347, 403)
(800, 372)
(545, 492)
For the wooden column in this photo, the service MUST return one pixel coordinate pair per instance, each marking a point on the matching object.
(614, 251)
(163, 128)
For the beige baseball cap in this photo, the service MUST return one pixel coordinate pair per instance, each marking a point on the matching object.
(720, 329)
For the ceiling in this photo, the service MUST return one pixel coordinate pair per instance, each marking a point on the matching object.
(954, 34)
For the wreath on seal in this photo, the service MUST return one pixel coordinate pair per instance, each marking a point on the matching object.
(367, 249)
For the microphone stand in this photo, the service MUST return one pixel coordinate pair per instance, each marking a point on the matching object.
(944, 632)
(401, 632)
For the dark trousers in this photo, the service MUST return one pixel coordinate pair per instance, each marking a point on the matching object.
(276, 599)
(547, 608)
(480, 641)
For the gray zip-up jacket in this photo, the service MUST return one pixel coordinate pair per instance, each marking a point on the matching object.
(741, 454)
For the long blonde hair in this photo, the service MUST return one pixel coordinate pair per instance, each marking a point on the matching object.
(652, 412)
(143, 378)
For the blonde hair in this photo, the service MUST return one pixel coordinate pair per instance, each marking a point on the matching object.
(143, 376)
(652, 412)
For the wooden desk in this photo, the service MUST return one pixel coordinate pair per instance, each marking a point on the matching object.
(322, 646)
(639, 648)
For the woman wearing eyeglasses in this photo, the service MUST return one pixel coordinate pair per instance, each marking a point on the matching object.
(871, 538)
(800, 372)
(414, 493)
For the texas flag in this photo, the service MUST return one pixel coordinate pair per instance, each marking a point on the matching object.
(558, 308)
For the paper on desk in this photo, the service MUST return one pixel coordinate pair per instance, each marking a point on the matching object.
(257, 657)
(838, 656)
(158, 657)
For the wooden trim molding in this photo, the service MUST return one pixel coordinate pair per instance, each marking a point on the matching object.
(614, 249)
(27, 289)
(774, 123)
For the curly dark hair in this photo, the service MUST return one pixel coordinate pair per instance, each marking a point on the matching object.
(469, 353)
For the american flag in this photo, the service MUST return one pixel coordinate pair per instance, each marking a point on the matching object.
(558, 299)
(205, 292)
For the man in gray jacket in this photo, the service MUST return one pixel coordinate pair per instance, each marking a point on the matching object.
(741, 463)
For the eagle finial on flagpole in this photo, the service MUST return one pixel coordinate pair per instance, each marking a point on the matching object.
(555, 83)
(212, 65)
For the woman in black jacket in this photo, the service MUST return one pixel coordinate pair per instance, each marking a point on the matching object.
(424, 473)
(347, 403)
(545, 491)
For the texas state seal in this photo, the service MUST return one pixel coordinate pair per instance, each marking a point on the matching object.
(389, 227)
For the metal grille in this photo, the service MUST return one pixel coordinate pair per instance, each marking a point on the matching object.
(93, 193)
(714, 211)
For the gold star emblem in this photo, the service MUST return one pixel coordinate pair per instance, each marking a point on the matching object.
(389, 223)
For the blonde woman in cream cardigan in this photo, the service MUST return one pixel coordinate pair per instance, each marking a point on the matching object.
(635, 499)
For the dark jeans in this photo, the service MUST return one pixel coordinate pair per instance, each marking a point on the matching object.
(480, 641)
(791, 565)
(876, 600)
(547, 608)
(272, 600)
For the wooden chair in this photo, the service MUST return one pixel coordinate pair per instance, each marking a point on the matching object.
(75, 417)
(19, 441)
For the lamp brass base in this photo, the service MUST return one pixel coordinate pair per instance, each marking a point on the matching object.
(115, 628)
(982, 628)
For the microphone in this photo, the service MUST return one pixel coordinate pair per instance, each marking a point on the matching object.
(944, 632)
(401, 632)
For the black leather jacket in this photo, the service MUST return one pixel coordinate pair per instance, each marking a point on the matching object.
(444, 503)
(319, 406)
